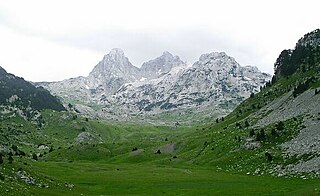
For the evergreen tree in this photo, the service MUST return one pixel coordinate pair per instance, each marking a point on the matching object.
(10, 159)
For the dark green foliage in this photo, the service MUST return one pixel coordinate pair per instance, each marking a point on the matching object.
(20, 153)
(1, 159)
(14, 148)
(305, 56)
(273, 80)
(282, 65)
(299, 89)
(10, 159)
(280, 126)
(34, 156)
(246, 123)
(29, 95)
(261, 136)
(251, 133)
(238, 125)
(158, 152)
(268, 156)
(303, 86)
(2, 178)
(274, 132)
(83, 129)
(252, 95)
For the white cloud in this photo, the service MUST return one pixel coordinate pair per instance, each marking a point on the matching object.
(37, 59)
(59, 39)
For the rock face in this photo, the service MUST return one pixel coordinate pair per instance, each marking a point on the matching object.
(163, 84)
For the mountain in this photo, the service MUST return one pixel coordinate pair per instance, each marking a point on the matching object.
(276, 131)
(216, 82)
(15, 91)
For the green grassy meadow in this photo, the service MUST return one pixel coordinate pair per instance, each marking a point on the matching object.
(149, 179)
(198, 160)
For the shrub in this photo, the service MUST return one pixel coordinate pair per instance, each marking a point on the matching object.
(251, 133)
(34, 156)
(14, 147)
(268, 156)
(280, 126)
(2, 177)
(158, 152)
(10, 159)
(246, 123)
(261, 136)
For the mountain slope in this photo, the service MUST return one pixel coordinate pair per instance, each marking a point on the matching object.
(275, 131)
(16, 91)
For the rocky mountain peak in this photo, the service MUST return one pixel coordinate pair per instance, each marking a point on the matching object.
(111, 72)
(115, 63)
(115, 54)
(213, 56)
(218, 61)
(167, 54)
(160, 65)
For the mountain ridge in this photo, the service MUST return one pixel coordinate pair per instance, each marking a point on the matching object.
(165, 83)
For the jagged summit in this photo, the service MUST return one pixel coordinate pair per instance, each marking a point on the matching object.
(116, 51)
(111, 72)
(115, 55)
(218, 62)
(160, 65)
(213, 55)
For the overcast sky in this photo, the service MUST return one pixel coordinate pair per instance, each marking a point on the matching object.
(55, 40)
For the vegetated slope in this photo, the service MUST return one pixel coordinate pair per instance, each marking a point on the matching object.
(16, 91)
(115, 89)
(275, 131)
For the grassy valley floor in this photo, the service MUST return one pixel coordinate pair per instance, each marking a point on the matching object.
(91, 178)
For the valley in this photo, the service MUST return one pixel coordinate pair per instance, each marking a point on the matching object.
(247, 135)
